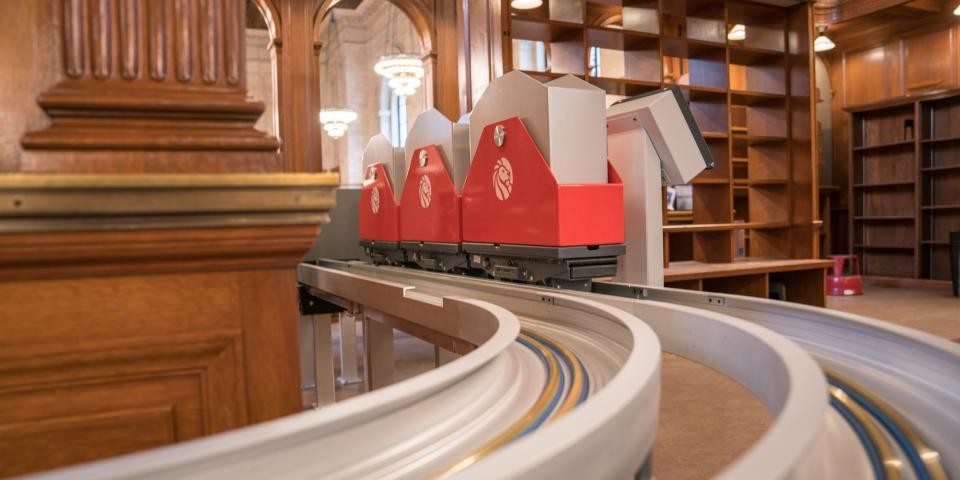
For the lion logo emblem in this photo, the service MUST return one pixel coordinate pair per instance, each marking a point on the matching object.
(502, 179)
(375, 199)
(426, 191)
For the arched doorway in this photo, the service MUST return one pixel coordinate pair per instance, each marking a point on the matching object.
(352, 40)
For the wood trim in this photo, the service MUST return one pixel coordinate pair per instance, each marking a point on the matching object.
(40, 203)
(65, 255)
(679, 271)
(902, 101)
(146, 181)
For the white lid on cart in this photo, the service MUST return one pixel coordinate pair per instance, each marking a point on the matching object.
(380, 150)
(566, 118)
(434, 128)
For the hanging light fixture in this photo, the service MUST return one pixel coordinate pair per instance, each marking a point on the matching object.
(525, 4)
(335, 120)
(403, 72)
(823, 43)
(956, 11)
(738, 32)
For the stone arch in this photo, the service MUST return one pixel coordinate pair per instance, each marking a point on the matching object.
(415, 10)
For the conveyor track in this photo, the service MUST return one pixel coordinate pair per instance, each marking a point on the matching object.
(559, 380)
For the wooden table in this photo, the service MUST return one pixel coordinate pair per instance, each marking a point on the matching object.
(804, 280)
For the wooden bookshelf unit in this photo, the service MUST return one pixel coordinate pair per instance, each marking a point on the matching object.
(905, 185)
(751, 99)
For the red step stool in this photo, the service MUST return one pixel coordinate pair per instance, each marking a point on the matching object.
(844, 276)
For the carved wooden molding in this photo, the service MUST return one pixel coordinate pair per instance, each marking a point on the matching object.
(153, 76)
(57, 254)
(839, 11)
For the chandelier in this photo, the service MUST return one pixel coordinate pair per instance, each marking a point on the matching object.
(335, 120)
(403, 72)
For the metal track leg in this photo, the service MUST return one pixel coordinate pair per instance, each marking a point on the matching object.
(348, 349)
(442, 357)
(378, 350)
(323, 359)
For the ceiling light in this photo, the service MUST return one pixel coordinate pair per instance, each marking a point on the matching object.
(335, 120)
(956, 11)
(525, 4)
(403, 72)
(738, 32)
(822, 43)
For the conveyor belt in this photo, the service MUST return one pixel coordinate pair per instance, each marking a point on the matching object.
(791, 386)
(575, 395)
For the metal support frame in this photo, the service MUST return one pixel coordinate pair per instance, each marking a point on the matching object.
(442, 356)
(566, 267)
(378, 362)
(435, 256)
(319, 313)
(632, 153)
(323, 360)
(348, 346)
(383, 253)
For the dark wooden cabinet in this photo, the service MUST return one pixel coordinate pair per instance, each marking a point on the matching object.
(905, 185)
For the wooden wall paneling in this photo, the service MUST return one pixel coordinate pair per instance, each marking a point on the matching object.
(269, 315)
(864, 79)
(445, 71)
(484, 58)
(465, 19)
(130, 73)
(164, 367)
(922, 71)
(30, 39)
(161, 319)
(298, 86)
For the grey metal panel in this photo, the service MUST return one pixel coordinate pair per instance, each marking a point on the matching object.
(380, 150)
(546, 252)
(578, 132)
(433, 128)
(565, 118)
(340, 238)
(676, 138)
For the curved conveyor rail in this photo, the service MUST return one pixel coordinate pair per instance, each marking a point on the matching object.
(915, 374)
(584, 376)
(790, 384)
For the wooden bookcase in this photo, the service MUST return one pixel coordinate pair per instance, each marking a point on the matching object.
(751, 99)
(905, 185)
